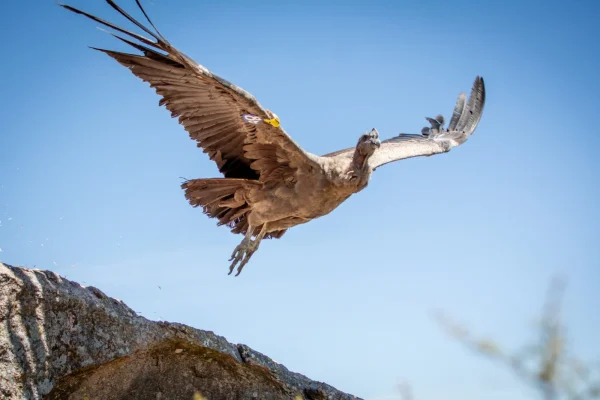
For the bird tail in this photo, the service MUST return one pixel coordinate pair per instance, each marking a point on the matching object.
(226, 200)
(221, 198)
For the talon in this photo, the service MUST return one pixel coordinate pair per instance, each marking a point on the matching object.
(245, 260)
(232, 266)
(244, 251)
(239, 270)
(237, 253)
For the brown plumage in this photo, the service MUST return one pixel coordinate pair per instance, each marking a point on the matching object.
(270, 183)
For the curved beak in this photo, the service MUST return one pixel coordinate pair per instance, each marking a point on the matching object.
(375, 138)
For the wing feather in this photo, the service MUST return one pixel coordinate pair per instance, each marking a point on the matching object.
(474, 108)
(209, 107)
(465, 118)
(458, 110)
(410, 145)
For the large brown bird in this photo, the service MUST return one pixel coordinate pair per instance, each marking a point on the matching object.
(271, 184)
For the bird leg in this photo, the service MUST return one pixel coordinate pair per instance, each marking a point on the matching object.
(242, 253)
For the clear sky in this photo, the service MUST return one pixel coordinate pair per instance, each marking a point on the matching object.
(90, 171)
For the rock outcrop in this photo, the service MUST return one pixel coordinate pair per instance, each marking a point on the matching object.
(60, 340)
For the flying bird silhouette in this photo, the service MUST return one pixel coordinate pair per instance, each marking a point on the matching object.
(270, 183)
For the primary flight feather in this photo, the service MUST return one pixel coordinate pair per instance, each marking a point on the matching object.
(270, 183)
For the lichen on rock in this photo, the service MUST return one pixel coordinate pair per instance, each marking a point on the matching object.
(62, 341)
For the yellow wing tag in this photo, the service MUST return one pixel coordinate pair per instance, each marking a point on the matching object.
(275, 122)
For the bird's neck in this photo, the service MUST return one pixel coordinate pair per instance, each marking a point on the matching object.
(360, 171)
(360, 162)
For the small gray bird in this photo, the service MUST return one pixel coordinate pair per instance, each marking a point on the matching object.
(270, 183)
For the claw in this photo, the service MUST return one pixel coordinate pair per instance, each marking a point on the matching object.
(241, 255)
(238, 253)
(235, 261)
(235, 252)
(245, 261)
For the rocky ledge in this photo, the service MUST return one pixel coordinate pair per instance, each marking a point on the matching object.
(61, 340)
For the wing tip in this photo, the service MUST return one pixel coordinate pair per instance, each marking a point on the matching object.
(478, 94)
(105, 51)
(114, 54)
(70, 8)
(480, 83)
(482, 89)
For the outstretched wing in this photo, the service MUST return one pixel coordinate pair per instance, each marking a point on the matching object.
(437, 140)
(227, 122)
(433, 140)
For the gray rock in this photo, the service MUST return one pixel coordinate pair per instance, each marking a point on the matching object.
(60, 340)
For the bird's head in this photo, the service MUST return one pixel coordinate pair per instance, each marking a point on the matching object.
(366, 146)
(368, 143)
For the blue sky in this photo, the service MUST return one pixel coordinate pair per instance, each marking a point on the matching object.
(90, 167)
